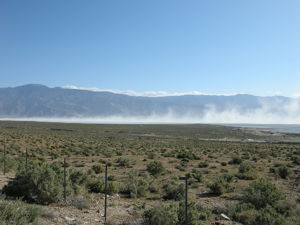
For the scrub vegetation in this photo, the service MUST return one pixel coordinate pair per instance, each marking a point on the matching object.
(253, 182)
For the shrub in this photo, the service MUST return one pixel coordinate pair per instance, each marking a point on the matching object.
(172, 214)
(137, 186)
(221, 185)
(80, 203)
(261, 193)
(248, 215)
(98, 186)
(41, 184)
(111, 178)
(11, 163)
(78, 177)
(97, 169)
(161, 215)
(235, 160)
(296, 160)
(283, 171)
(122, 162)
(245, 167)
(193, 217)
(196, 174)
(155, 168)
(203, 164)
(246, 171)
(261, 206)
(173, 191)
(18, 213)
(269, 216)
(187, 156)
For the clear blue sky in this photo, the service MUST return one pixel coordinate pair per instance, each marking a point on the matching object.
(212, 46)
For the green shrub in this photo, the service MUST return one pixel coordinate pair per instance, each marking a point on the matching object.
(261, 206)
(173, 191)
(111, 178)
(248, 215)
(123, 162)
(161, 215)
(98, 169)
(193, 217)
(137, 186)
(78, 177)
(155, 168)
(187, 156)
(262, 193)
(283, 171)
(172, 214)
(196, 174)
(11, 163)
(41, 184)
(285, 207)
(221, 185)
(247, 171)
(296, 160)
(203, 164)
(268, 215)
(235, 160)
(18, 213)
(245, 167)
(80, 203)
(98, 186)
(243, 213)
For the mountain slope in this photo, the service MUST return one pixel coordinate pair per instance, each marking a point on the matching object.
(40, 101)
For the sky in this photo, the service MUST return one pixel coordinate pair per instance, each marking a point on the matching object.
(210, 46)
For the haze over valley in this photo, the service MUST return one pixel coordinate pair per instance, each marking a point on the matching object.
(38, 102)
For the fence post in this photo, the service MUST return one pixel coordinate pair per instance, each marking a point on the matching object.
(4, 158)
(26, 160)
(65, 181)
(105, 198)
(186, 201)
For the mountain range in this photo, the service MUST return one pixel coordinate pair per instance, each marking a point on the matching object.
(36, 100)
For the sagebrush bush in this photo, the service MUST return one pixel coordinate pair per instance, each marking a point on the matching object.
(98, 186)
(262, 193)
(283, 171)
(123, 162)
(196, 174)
(80, 202)
(296, 160)
(137, 186)
(172, 214)
(221, 185)
(11, 163)
(235, 160)
(261, 206)
(40, 184)
(173, 191)
(18, 213)
(193, 217)
(97, 169)
(187, 156)
(161, 215)
(155, 168)
(203, 164)
(247, 171)
(247, 214)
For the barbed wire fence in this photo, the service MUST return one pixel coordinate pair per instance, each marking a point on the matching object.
(65, 181)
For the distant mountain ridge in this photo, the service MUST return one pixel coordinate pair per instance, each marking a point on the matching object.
(36, 100)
